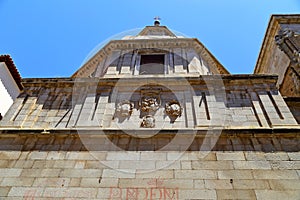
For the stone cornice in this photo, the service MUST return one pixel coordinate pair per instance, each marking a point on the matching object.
(248, 132)
(164, 44)
(239, 79)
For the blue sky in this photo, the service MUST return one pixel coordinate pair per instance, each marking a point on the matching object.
(51, 38)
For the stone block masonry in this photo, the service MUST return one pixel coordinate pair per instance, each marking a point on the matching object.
(80, 174)
(242, 104)
(213, 179)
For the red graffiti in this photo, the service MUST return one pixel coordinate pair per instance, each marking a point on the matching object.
(29, 195)
(156, 190)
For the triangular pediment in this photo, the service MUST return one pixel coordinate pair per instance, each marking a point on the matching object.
(156, 31)
(180, 56)
(122, 58)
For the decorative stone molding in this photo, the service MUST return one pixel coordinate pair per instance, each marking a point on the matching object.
(148, 122)
(276, 23)
(286, 33)
(149, 104)
(124, 108)
(297, 57)
(165, 44)
(150, 99)
(288, 41)
(173, 108)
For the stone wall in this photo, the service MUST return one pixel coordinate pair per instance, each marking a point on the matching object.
(117, 54)
(41, 166)
(233, 101)
(266, 140)
(279, 53)
(177, 61)
(290, 87)
(294, 105)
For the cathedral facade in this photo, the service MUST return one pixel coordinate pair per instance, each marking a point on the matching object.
(157, 116)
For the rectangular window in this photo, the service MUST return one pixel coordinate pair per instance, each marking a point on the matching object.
(152, 64)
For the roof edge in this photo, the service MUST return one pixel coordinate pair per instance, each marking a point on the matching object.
(12, 69)
(225, 71)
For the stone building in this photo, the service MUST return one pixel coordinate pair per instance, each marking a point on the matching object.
(157, 116)
(281, 56)
(10, 83)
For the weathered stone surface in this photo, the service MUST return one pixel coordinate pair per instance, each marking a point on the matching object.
(155, 174)
(251, 178)
(212, 164)
(217, 184)
(277, 156)
(77, 173)
(250, 184)
(275, 174)
(235, 174)
(51, 182)
(123, 156)
(4, 172)
(235, 194)
(230, 156)
(195, 174)
(64, 164)
(204, 194)
(153, 156)
(87, 193)
(9, 155)
(4, 191)
(284, 184)
(277, 195)
(285, 165)
(251, 165)
(294, 156)
(35, 155)
(185, 164)
(114, 173)
(17, 181)
(27, 192)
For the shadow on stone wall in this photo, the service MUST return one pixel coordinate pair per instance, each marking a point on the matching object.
(241, 140)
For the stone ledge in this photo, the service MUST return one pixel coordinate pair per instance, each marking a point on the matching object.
(267, 140)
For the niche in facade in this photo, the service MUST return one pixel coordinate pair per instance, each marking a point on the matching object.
(152, 64)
